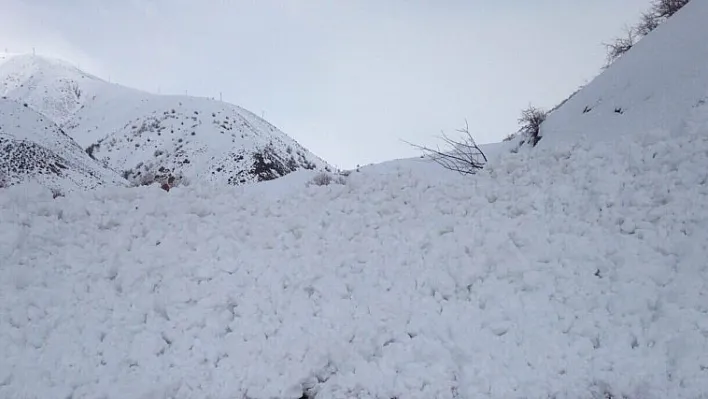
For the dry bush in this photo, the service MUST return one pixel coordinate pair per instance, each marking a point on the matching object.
(648, 23)
(463, 156)
(664, 9)
(325, 179)
(56, 193)
(660, 11)
(621, 45)
(530, 120)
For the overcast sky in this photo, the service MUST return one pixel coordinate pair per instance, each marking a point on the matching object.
(349, 79)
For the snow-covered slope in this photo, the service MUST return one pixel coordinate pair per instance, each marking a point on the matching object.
(150, 136)
(52, 87)
(574, 272)
(655, 85)
(34, 148)
(201, 139)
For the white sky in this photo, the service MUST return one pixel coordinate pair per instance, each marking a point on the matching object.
(349, 79)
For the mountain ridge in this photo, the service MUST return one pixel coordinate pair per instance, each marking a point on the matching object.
(148, 136)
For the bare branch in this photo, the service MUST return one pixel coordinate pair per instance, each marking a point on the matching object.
(660, 11)
(621, 45)
(664, 9)
(463, 156)
(647, 24)
(530, 121)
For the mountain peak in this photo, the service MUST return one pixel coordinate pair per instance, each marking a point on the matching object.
(32, 63)
(52, 87)
(150, 138)
(28, 68)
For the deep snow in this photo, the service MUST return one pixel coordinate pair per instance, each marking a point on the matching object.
(561, 273)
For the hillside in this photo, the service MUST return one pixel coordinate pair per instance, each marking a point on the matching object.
(653, 87)
(33, 148)
(52, 87)
(152, 137)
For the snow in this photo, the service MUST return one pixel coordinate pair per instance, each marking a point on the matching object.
(144, 134)
(53, 87)
(655, 85)
(31, 147)
(567, 272)
(573, 270)
(205, 140)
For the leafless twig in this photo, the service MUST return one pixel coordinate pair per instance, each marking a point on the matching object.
(463, 156)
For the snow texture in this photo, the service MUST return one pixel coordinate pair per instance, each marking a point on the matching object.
(34, 148)
(576, 270)
(152, 137)
(571, 272)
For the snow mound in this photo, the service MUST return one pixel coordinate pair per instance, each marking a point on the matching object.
(152, 137)
(655, 85)
(569, 272)
(34, 148)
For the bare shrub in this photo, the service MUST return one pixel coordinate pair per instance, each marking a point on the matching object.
(621, 45)
(92, 148)
(75, 89)
(660, 11)
(325, 179)
(647, 23)
(463, 156)
(530, 120)
(56, 193)
(147, 175)
(667, 8)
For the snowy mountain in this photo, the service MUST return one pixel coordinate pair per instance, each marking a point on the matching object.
(151, 137)
(654, 86)
(54, 88)
(34, 148)
(573, 270)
